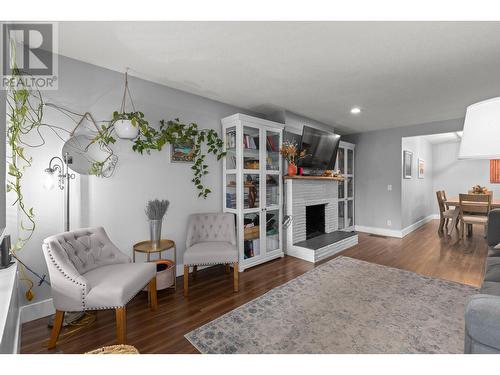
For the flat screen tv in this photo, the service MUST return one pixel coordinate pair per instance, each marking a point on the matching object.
(321, 149)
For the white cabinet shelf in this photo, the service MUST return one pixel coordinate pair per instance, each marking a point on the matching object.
(253, 186)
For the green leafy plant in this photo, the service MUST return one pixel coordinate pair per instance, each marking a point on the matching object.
(136, 118)
(175, 132)
(24, 114)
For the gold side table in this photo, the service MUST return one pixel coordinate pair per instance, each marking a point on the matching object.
(146, 247)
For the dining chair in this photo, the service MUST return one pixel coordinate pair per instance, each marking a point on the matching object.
(474, 209)
(445, 213)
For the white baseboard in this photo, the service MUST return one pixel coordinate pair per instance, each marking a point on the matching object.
(37, 310)
(397, 233)
(379, 231)
(416, 225)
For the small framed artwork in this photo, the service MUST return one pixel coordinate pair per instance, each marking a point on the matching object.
(421, 168)
(407, 164)
(181, 153)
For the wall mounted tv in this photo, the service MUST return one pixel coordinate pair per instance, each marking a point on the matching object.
(321, 149)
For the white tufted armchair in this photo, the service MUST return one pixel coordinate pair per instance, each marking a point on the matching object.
(211, 239)
(88, 272)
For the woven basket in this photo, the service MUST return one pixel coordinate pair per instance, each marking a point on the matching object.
(115, 349)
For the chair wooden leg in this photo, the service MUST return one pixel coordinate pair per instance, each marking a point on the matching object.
(121, 325)
(441, 225)
(236, 281)
(153, 298)
(228, 268)
(56, 329)
(186, 280)
(195, 270)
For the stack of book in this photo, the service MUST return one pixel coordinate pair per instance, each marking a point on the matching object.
(230, 200)
(251, 248)
(250, 142)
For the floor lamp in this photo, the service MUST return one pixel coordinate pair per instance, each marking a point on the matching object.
(57, 165)
(64, 177)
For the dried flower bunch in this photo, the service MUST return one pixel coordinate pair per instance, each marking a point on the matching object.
(156, 209)
(290, 151)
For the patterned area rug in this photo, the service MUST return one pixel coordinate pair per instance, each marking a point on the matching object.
(345, 306)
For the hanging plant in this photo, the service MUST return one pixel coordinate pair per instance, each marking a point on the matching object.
(126, 124)
(175, 132)
(24, 114)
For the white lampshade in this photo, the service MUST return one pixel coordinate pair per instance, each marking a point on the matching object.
(481, 137)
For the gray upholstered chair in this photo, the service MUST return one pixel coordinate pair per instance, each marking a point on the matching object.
(88, 272)
(211, 239)
(482, 314)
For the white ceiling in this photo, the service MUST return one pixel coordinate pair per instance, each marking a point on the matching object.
(399, 73)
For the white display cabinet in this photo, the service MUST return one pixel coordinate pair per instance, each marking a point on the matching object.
(253, 186)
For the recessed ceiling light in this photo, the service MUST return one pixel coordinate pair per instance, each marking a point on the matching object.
(355, 110)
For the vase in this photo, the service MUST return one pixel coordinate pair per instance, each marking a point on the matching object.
(125, 130)
(155, 232)
(292, 169)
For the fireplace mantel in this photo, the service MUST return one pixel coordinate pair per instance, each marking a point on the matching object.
(322, 178)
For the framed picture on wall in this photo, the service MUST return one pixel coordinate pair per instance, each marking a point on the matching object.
(421, 168)
(407, 164)
(181, 153)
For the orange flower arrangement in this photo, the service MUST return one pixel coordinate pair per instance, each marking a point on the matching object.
(290, 151)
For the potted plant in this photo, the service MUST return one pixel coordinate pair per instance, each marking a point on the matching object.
(155, 211)
(126, 124)
(290, 151)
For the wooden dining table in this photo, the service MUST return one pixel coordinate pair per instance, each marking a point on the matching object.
(455, 202)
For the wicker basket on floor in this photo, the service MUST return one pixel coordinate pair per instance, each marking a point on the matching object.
(115, 349)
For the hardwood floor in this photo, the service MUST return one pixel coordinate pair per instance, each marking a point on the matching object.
(211, 294)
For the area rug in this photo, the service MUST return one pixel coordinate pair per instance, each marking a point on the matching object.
(345, 306)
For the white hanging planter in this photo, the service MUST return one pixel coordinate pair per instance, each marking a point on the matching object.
(125, 130)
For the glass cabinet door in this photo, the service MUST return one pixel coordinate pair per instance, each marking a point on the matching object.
(272, 230)
(231, 190)
(350, 161)
(272, 154)
(341, 160)
(230, 148)
(251, 147)
(251, 235)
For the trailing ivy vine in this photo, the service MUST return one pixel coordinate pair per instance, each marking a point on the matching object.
(25, 112)
(175, 132)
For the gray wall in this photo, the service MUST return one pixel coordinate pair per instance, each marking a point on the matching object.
(417, 201)
(378, 161)
(458, 176)
(118, 203)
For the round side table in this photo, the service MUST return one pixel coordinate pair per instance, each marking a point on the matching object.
(146, 247)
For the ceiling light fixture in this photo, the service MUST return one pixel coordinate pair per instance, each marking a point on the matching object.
(355, 110)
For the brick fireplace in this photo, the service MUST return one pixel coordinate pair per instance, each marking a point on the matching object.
(313, 203)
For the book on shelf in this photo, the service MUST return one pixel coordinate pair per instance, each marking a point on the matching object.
(230, 200)
(248, 249)
(250, 142)
(271, 144)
